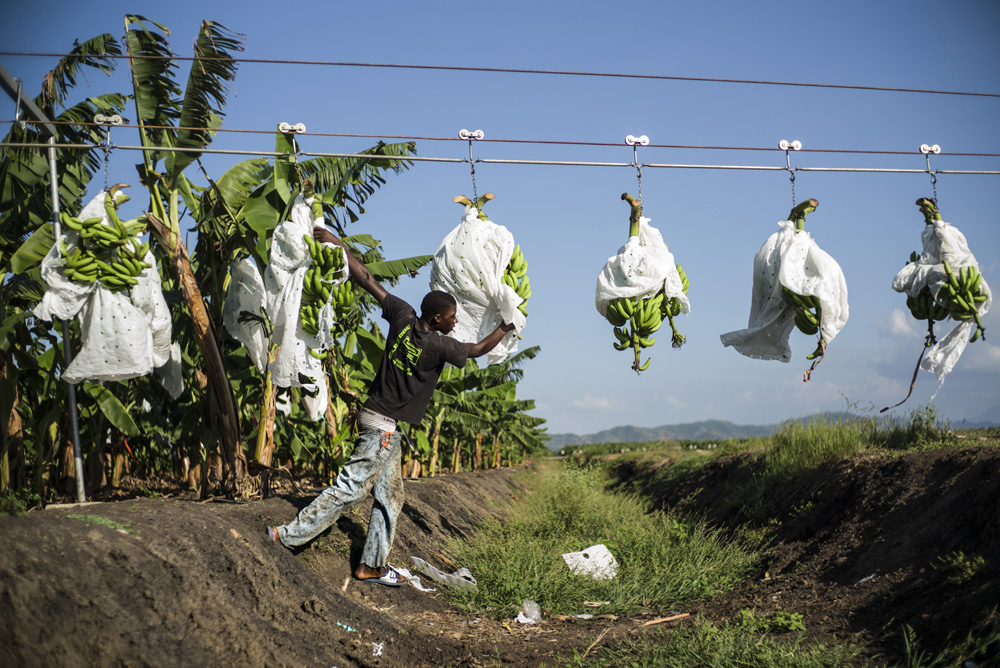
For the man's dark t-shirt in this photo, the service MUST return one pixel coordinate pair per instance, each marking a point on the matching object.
(411, 364)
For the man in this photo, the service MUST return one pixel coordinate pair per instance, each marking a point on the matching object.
(416, 351)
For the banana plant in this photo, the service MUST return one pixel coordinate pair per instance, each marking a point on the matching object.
(28, 407)
(168, 118)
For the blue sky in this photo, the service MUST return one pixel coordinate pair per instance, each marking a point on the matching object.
(569, 219)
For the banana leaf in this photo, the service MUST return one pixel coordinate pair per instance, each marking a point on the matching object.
(371, 345)
(113, 409)
(393, 269)
(156, 95)
(237, 184)
(33, 250)
(201, 111)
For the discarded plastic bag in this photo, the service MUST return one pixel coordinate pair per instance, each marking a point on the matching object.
(414, 580)
(789, 258)
(469, 265)
(530, 613)
(595, 561)
(462, 578)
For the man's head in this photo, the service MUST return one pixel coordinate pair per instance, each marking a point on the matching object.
(438, 311)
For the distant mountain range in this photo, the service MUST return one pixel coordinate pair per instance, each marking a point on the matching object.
(711, 430)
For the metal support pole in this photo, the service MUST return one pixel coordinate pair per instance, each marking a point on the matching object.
(81, 494)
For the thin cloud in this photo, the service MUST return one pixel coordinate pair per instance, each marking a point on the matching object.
(898, 323)
(982, 356)
(589, 402)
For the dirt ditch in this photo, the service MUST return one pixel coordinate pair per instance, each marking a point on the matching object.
(178, 582)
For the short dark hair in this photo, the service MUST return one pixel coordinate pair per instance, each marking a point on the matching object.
(435, 303)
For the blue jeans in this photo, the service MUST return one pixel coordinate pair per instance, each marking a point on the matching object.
(373, 469)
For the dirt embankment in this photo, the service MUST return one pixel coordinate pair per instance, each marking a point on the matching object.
(862, 547)
(174, 582)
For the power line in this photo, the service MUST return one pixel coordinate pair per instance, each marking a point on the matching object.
(496, 161)
(511, 70)
(554, 142)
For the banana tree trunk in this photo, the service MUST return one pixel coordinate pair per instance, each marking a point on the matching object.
(456, 457)
(67, 462)
(13, 436)
(265, 432)
(432, 465)
(234, 461)
(477, 458)
(118, 465)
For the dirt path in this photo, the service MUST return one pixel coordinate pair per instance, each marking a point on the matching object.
(175, 582)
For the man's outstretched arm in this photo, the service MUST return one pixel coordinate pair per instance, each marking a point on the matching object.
(359, 272)
(490, 342)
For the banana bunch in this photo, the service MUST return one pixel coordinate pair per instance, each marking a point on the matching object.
(961, 296)
(808, 316)
(110, 254)
(317, 285)
(516, 276)
(635, 320)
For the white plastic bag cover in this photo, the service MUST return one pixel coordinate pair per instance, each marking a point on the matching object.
(246, 293)
(469, 265)
(125, 334)
(942, 243)
(170, 373)
(789, 258)
(595, 561)
(316, 405)
(642, 267)
(283, 277)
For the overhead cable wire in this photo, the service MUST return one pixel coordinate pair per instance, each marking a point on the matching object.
(490, 161)
(512, 70)
(540, 142)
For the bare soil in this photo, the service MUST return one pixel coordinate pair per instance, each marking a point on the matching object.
(173, 581)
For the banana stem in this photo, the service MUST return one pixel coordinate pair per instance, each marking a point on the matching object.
(634, 214)
(799, 213)
(929, 209)
(676, 339)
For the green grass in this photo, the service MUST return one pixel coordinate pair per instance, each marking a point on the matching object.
(703, 644)
(663, 559)
(103, 521)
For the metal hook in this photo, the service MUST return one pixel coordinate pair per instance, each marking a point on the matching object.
(927, 150)
(787, 146)
(472, 136)
(634, 142)
(106, 123)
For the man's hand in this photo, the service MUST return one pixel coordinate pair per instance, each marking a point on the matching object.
(323, 235)
(359, 272)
